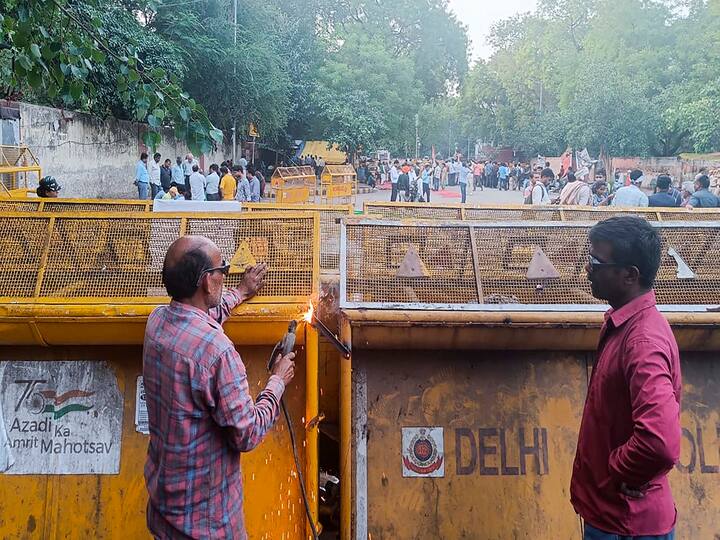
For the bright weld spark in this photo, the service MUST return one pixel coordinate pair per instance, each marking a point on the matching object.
(308, 317)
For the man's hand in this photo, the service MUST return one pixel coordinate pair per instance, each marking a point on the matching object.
(253, 280)
(632, 492)
(285, 367)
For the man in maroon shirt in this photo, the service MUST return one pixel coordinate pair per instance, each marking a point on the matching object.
(630, 432)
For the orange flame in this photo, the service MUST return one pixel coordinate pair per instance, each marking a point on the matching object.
(308, 317)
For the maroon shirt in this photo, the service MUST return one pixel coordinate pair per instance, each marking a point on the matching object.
(630, 430)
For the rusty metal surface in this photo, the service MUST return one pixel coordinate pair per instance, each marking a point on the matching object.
(510, 427)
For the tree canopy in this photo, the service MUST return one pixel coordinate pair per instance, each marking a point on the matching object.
(630, 76)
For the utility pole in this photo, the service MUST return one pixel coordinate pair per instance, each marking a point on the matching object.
(234, 128)
(417, 135)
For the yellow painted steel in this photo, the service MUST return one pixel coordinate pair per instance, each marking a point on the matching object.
(111, 328)
(292, 195)
(113, 506)
(508, 212)
(16, 161)
(346, 473)
(312, 419)
(338, 181)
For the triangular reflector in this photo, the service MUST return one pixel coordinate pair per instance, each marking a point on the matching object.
(541, 267)
(412, 265)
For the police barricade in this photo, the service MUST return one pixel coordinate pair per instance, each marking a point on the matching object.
(426, 211)
(75, 293)
(338, 182)
(293, 185)
(472, 345)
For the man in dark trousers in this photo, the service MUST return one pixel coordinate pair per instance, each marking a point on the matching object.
(630, 432)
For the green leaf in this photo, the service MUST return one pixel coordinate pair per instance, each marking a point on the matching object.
(160, 95)
(76, 90)
(25, 62)
(77, 72)
(133, 76)
(35, 50)
(88, 64)
(99, 57)
(34, 79)
(153, 121)
(159, 114)
(216, 135)
(184, 113)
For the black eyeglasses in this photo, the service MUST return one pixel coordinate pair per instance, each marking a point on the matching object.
(594, 263)
(224, 268)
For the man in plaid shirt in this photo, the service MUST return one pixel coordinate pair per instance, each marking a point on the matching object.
(200, 411)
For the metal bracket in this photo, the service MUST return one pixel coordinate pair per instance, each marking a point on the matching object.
(683, 270)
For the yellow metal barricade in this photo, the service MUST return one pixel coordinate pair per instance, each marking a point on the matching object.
(330, 216)
(470, 367)
(427, 211)
(75, 293)
(16, 163)
(18, 204)
(338, 182)
(293, 185)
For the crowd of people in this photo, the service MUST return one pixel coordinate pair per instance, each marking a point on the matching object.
(414, 180)
(186, 180)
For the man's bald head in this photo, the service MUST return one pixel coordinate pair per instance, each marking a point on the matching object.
(185, 260)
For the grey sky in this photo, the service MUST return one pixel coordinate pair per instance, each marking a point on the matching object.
(479, 16)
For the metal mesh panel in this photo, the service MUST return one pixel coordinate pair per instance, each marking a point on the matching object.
(286, 245)
(504, 255)
(22, 242)
(10, 205)
(105, 257)
(588, 214)
(375, 253)
(330, 216)
(66, 206)
(699, 248)
(691, 215)
(401, 211)
(513, 214)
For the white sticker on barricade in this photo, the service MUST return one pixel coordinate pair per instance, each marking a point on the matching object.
(141, 412)
(59, 418)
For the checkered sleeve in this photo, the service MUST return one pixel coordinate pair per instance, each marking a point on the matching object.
(247, 421)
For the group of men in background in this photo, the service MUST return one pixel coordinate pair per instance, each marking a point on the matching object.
(185, 180)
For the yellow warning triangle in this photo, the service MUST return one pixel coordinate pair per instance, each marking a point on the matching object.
(412, 265)
(541, 267)
(242, 259)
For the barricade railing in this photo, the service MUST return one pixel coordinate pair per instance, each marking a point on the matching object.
(465, 265)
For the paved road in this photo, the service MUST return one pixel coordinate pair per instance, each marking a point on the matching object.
(452, 195)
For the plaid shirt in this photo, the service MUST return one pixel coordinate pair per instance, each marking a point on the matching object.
(201, 417)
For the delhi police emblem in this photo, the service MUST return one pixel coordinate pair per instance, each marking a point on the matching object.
(423, 452)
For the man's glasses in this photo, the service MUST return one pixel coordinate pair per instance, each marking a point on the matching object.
(224, 268)
(595, 263)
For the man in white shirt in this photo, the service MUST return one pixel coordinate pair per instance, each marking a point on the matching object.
(631, 195)
(188, 165)
(394, 175)
(540, 195)
(212, 184)
(197, 185)
(154, 173)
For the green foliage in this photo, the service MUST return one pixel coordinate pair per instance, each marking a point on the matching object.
(71, 53)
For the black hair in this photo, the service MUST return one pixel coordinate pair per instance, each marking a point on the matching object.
(237, 168)
(597, 185)
(571, 177)
(704, 181)
(634, 243)
(196, 168)
(224, 170)
(547, 172)
(143, 155)
(167, 160)
(214, 167)
(635, 174)
(156, 155)
(663, 181)
(180, 279)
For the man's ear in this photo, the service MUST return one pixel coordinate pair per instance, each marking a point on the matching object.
(632, 274)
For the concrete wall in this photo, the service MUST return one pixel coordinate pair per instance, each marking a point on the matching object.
(94, 157)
